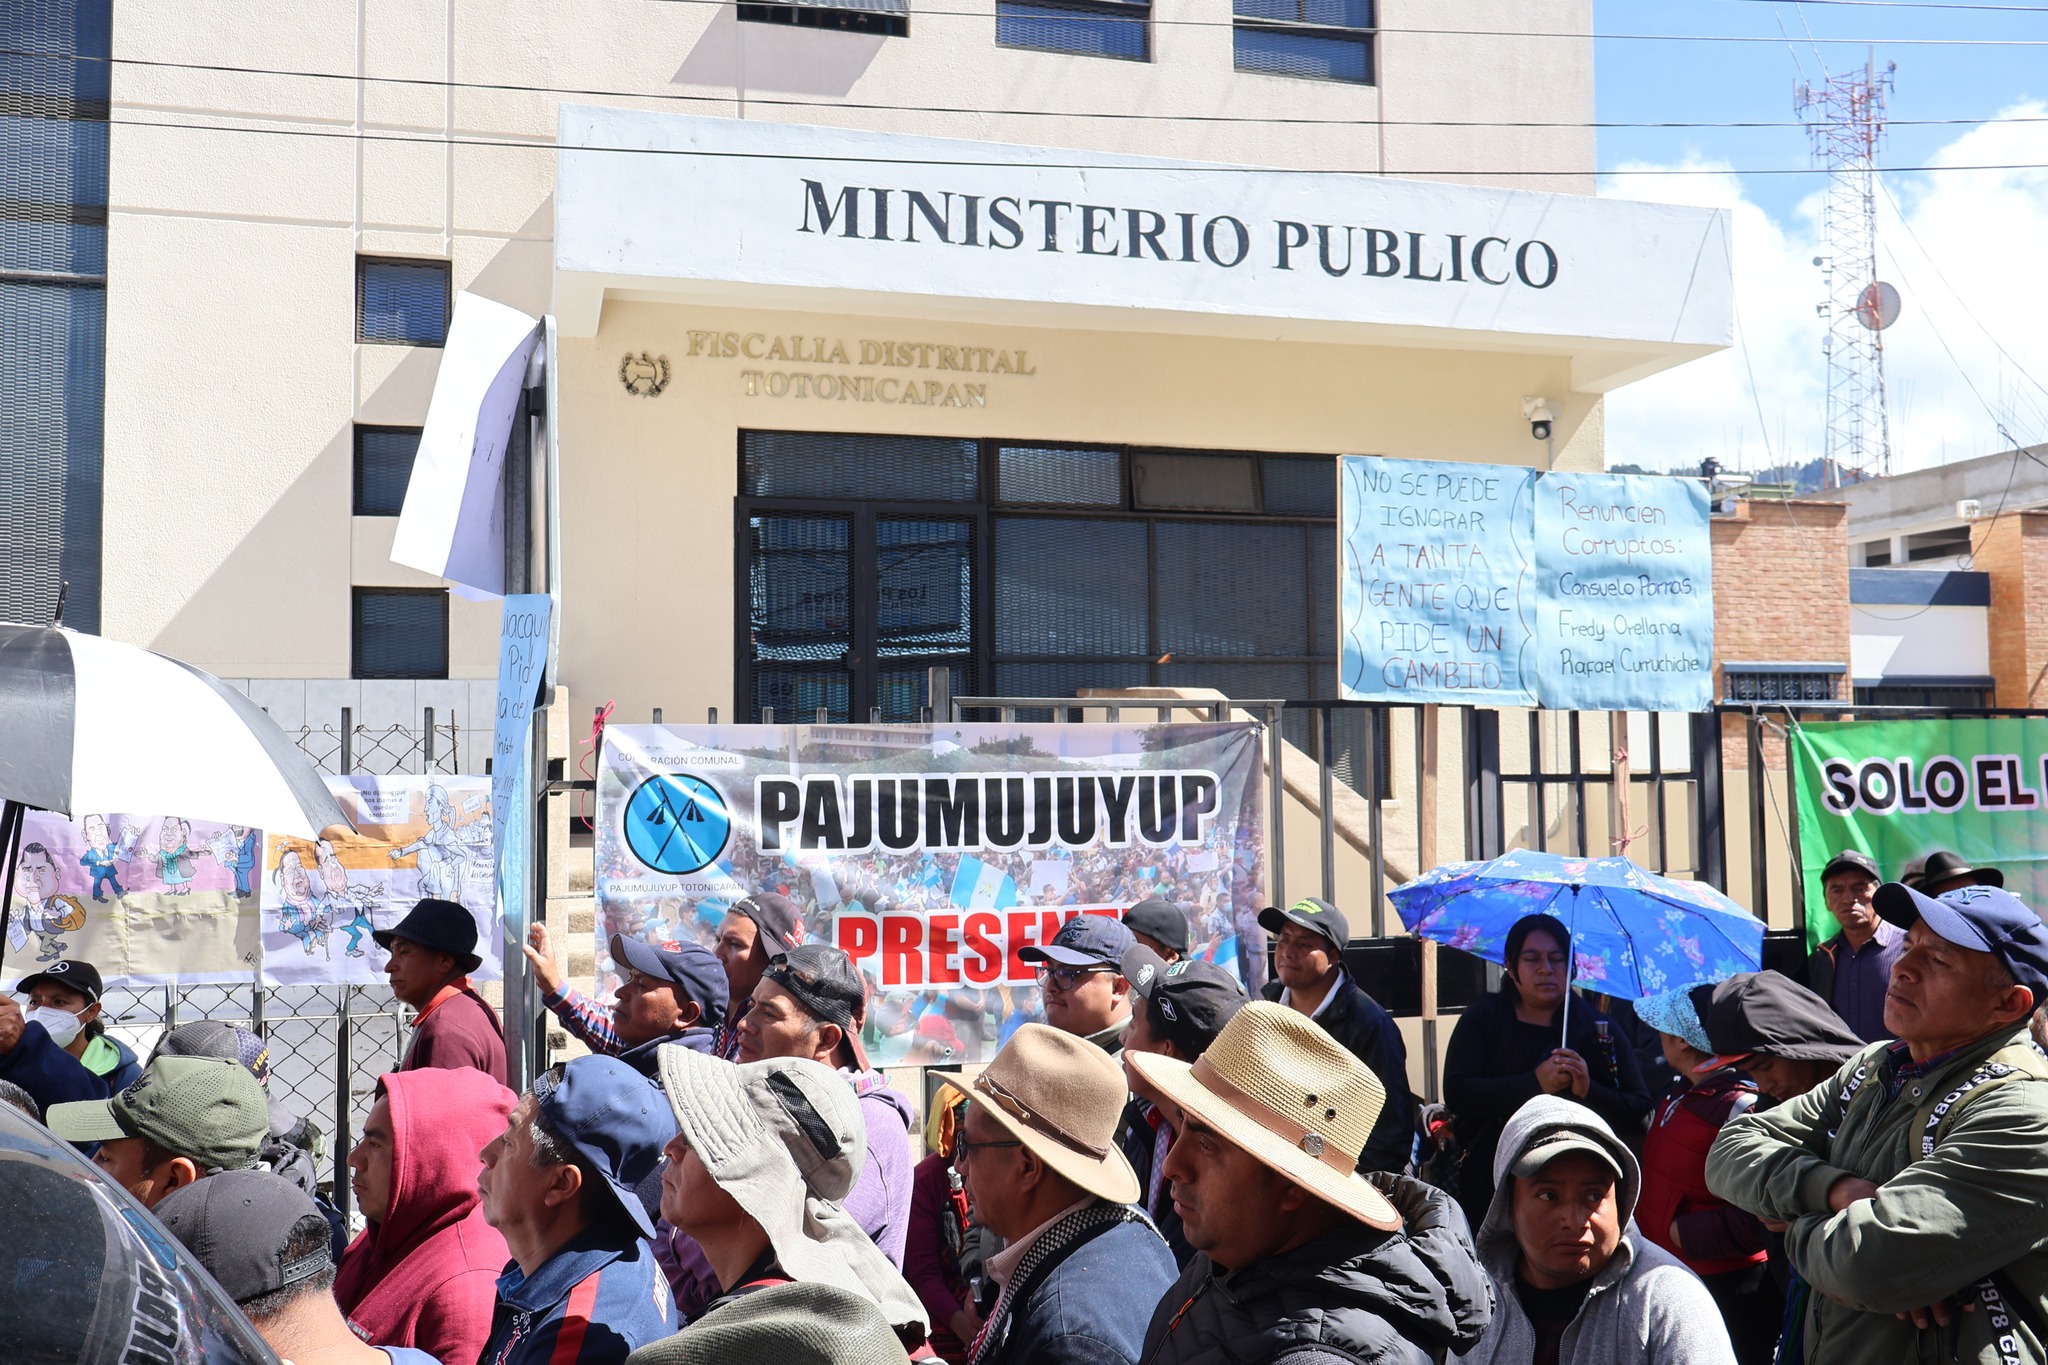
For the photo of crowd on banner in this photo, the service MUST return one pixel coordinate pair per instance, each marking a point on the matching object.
(935, 931)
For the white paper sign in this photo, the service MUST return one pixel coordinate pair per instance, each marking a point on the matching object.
(453, 521)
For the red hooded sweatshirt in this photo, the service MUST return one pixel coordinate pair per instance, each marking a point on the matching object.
(427, 1276)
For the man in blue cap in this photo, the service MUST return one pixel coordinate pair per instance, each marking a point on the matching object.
(433, 951)
(673, 994)
(1910, 1183)
(1081, 975)
(582, 1287)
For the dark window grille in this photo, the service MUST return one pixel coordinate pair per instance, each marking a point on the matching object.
(1060, 476)
(400, 633)
(837, 20)
(1328, 40)
(1790, 685)
(53, 260)
(384, 458)
(1079, 28)
(1932, 696)
(810, 464)
(402, 302)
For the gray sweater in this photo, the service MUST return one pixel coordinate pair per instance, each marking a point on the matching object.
(1645, 1305)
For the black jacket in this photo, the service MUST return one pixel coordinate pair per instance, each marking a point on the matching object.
(1370, 1034)
(1355, 1294)
(1490, 1072)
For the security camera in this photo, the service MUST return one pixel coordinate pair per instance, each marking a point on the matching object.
(1536, 412)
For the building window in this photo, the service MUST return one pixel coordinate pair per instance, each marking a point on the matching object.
(1082, 28)
(1947, 543)
(53, 305)
(400, 633)
(402, 302)
(384, 457)
(1781, 682)
(1877, 554)
(1324, 40)
(1960, 694)
(890, 18)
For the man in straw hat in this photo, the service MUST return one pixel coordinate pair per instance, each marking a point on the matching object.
(1304, 1260)
(765, 1153)
(1082, 1269)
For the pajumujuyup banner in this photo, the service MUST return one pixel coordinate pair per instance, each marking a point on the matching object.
(933, 854)
(1900, 789)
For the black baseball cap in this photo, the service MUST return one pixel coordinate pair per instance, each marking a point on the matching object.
(72, 975)
(694, 972)
(1160, 921)
(775, 916)
(237, 1224)
(1188, 1002)
(1770, 1013)
(1083, 941)
(829, 987)
(1984, 918)
(439, 926)
(1316, 916)
(1849, 860)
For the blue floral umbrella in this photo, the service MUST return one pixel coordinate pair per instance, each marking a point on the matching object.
(1634, 933)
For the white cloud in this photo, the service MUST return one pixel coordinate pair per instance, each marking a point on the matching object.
(1976, 232)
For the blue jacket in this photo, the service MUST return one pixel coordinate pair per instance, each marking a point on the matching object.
(594, 1302)
(1091, 1305)
(123, 1071)
(49, 1073)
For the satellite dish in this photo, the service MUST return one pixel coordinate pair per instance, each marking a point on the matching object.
(1878, 307)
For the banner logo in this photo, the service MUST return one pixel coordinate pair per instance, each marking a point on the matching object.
(677, 823)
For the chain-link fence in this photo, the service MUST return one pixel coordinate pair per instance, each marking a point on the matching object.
(328, 1044)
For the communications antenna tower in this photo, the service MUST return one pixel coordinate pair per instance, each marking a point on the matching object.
(1844, 114)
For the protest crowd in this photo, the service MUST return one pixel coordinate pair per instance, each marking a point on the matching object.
(1849, 1168)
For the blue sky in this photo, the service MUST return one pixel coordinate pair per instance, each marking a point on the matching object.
(1965, 360)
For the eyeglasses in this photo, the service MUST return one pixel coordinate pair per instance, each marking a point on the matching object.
(1069, 978)
(962, 1148)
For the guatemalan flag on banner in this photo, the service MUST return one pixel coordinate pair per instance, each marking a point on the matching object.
(978, 886)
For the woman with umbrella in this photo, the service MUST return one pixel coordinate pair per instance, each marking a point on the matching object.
(1511, 1046)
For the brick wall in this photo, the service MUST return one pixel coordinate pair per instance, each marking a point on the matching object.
(1781, 593)
(2013, 550)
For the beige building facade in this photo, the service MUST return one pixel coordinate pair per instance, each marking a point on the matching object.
(257, 154)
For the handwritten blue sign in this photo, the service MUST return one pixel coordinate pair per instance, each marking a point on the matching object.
(1624, 593)
(522, 658)
(1433, 558)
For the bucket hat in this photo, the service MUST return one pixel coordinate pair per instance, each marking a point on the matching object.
(438, 925)
(1275, 1085)
(1061, 1096)
(1672, 1012)
(786, 1139)
(790, 1324)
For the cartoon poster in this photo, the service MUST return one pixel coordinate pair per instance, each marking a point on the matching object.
(415, 837)
(933, 855)
(147, 899)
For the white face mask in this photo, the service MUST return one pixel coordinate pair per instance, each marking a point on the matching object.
(62, 1025)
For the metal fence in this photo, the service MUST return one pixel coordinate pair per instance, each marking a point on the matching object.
(328, 1044)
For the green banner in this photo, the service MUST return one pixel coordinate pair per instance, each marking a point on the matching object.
(1900, 789)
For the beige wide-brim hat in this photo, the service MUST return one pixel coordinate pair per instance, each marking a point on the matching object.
(1061, 1096)
(1291, 1096)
